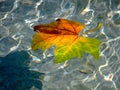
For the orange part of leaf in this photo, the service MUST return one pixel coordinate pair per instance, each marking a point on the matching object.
(47, 40)
(61, 27)
(59, 32)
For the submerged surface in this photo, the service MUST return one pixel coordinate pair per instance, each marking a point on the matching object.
(23, 69)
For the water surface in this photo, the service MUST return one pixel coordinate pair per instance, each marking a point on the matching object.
(23, 69)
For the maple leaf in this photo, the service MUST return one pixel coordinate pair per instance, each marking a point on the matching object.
(63, 34)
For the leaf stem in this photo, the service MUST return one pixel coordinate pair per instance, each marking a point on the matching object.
(94, 29)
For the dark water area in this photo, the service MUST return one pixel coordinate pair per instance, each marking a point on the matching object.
(15, 73)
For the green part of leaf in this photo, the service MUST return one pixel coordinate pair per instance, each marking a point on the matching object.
(75, 50)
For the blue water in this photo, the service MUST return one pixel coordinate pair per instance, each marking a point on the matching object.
(23, 69)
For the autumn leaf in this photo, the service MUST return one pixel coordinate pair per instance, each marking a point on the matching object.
(64, 35)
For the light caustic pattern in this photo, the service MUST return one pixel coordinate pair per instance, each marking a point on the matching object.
(18, 17)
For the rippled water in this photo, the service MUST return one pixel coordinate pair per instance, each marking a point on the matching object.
(23, 69)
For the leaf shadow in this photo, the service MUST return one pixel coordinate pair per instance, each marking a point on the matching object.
(15, 73)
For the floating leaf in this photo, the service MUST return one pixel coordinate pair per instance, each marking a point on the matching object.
(63, 34)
